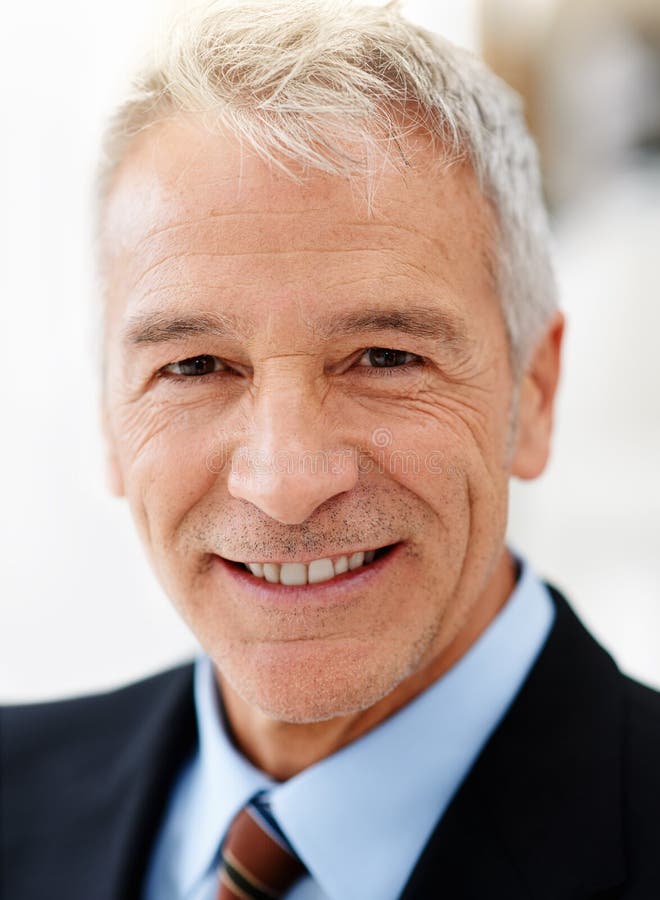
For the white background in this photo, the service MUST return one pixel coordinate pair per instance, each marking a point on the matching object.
(80, 610)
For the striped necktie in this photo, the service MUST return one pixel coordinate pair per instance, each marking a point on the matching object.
(257, 861)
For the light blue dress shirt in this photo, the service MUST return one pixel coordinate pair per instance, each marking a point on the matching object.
(359, 818)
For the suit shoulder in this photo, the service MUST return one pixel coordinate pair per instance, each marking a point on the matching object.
(642, 728)
(641, 783)
(78, 776)
(644, 700)
(105, 716)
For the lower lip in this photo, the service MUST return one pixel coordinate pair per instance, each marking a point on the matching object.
(335, 590)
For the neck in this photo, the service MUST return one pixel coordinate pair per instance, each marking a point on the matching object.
(282, 749)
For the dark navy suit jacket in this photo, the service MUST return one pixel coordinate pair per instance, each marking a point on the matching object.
(563, 802)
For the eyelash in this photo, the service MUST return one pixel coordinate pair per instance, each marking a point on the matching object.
(370, 371)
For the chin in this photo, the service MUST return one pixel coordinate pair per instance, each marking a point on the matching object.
(303, 684)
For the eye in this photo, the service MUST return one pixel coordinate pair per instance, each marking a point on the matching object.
(195, 366)
(385, 358)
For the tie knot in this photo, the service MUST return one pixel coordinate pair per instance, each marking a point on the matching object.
(257, 860)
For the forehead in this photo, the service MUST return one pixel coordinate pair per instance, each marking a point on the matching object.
(199, 215)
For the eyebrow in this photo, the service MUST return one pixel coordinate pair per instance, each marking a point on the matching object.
(416, 320)
(413, 319)
(159, 328)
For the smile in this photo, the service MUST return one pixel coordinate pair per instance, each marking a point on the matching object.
(315, 571)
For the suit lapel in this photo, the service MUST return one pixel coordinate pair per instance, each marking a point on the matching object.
(539, 815)
(145, 779)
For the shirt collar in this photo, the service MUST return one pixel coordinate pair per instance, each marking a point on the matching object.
(379, 797)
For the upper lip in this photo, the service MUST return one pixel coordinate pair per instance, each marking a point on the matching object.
(305, 557)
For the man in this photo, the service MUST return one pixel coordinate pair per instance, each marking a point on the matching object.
(331, 337)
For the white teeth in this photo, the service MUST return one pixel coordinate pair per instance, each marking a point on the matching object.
(341, 565)
(293, 573)
(320, 570)
(272, 572)
(298, 573)
(356, 560)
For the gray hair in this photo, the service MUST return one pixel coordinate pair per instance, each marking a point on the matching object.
(304, 81)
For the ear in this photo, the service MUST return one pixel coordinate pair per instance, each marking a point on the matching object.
(113, 476)
(538, 388)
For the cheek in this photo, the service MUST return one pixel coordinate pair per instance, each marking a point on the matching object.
(443, 450)
(170, 457)
(454, 464)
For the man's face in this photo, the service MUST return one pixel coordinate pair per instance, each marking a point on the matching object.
(290, 435)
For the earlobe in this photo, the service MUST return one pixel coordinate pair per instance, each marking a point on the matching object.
(538, 389)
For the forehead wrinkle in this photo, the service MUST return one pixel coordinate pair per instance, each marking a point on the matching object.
(218, 254)
(222, 214)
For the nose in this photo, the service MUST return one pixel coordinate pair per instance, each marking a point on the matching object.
(292, 459)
